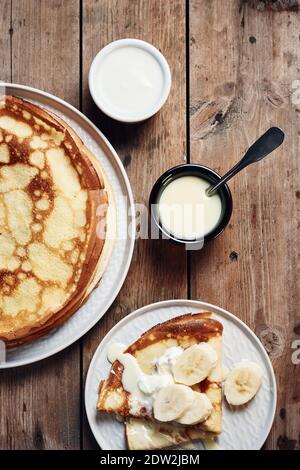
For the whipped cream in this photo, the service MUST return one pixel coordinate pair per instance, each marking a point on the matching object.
(165, 362)
(114, 350)
(143, 387)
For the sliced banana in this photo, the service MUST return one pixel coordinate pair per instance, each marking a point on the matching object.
(243, 382)
(199, 410)
(171, 402)
(195, 364)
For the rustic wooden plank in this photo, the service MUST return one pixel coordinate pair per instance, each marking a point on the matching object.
(243, 64)
(5, 41)
(46, 46)
(158, 270)
(40, 404)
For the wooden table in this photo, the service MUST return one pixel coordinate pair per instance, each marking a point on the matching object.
(233, 68)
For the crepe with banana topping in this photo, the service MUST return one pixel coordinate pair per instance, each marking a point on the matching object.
(171, 407)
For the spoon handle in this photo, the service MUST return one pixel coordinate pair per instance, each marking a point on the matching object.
(268, 142)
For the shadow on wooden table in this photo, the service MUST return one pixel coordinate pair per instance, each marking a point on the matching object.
(118, 133)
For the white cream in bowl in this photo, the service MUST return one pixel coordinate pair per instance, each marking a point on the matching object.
(129, 80)
(185, 211)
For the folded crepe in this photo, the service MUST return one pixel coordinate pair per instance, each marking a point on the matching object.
(141, 428)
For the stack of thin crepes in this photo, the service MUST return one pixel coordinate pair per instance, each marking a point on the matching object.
(57, 221)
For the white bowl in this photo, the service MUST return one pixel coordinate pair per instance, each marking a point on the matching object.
(99, 95)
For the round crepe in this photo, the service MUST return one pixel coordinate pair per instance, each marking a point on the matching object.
(56, 221)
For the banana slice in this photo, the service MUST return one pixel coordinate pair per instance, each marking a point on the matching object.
(243, 382)
(199, 411)
(172, 401)
(195, 364)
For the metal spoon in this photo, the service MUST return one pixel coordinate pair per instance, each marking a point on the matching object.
(268, 142)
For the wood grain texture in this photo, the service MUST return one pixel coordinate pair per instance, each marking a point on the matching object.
(45, 40)
(242, 67)
(243, 64)
(158, 270)
(40, 404)
(5, 41)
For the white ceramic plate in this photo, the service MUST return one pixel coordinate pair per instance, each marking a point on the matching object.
(102, 297)
(245, 428)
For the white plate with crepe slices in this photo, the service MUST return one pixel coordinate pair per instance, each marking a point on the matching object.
(67, 224)
(170, 392)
